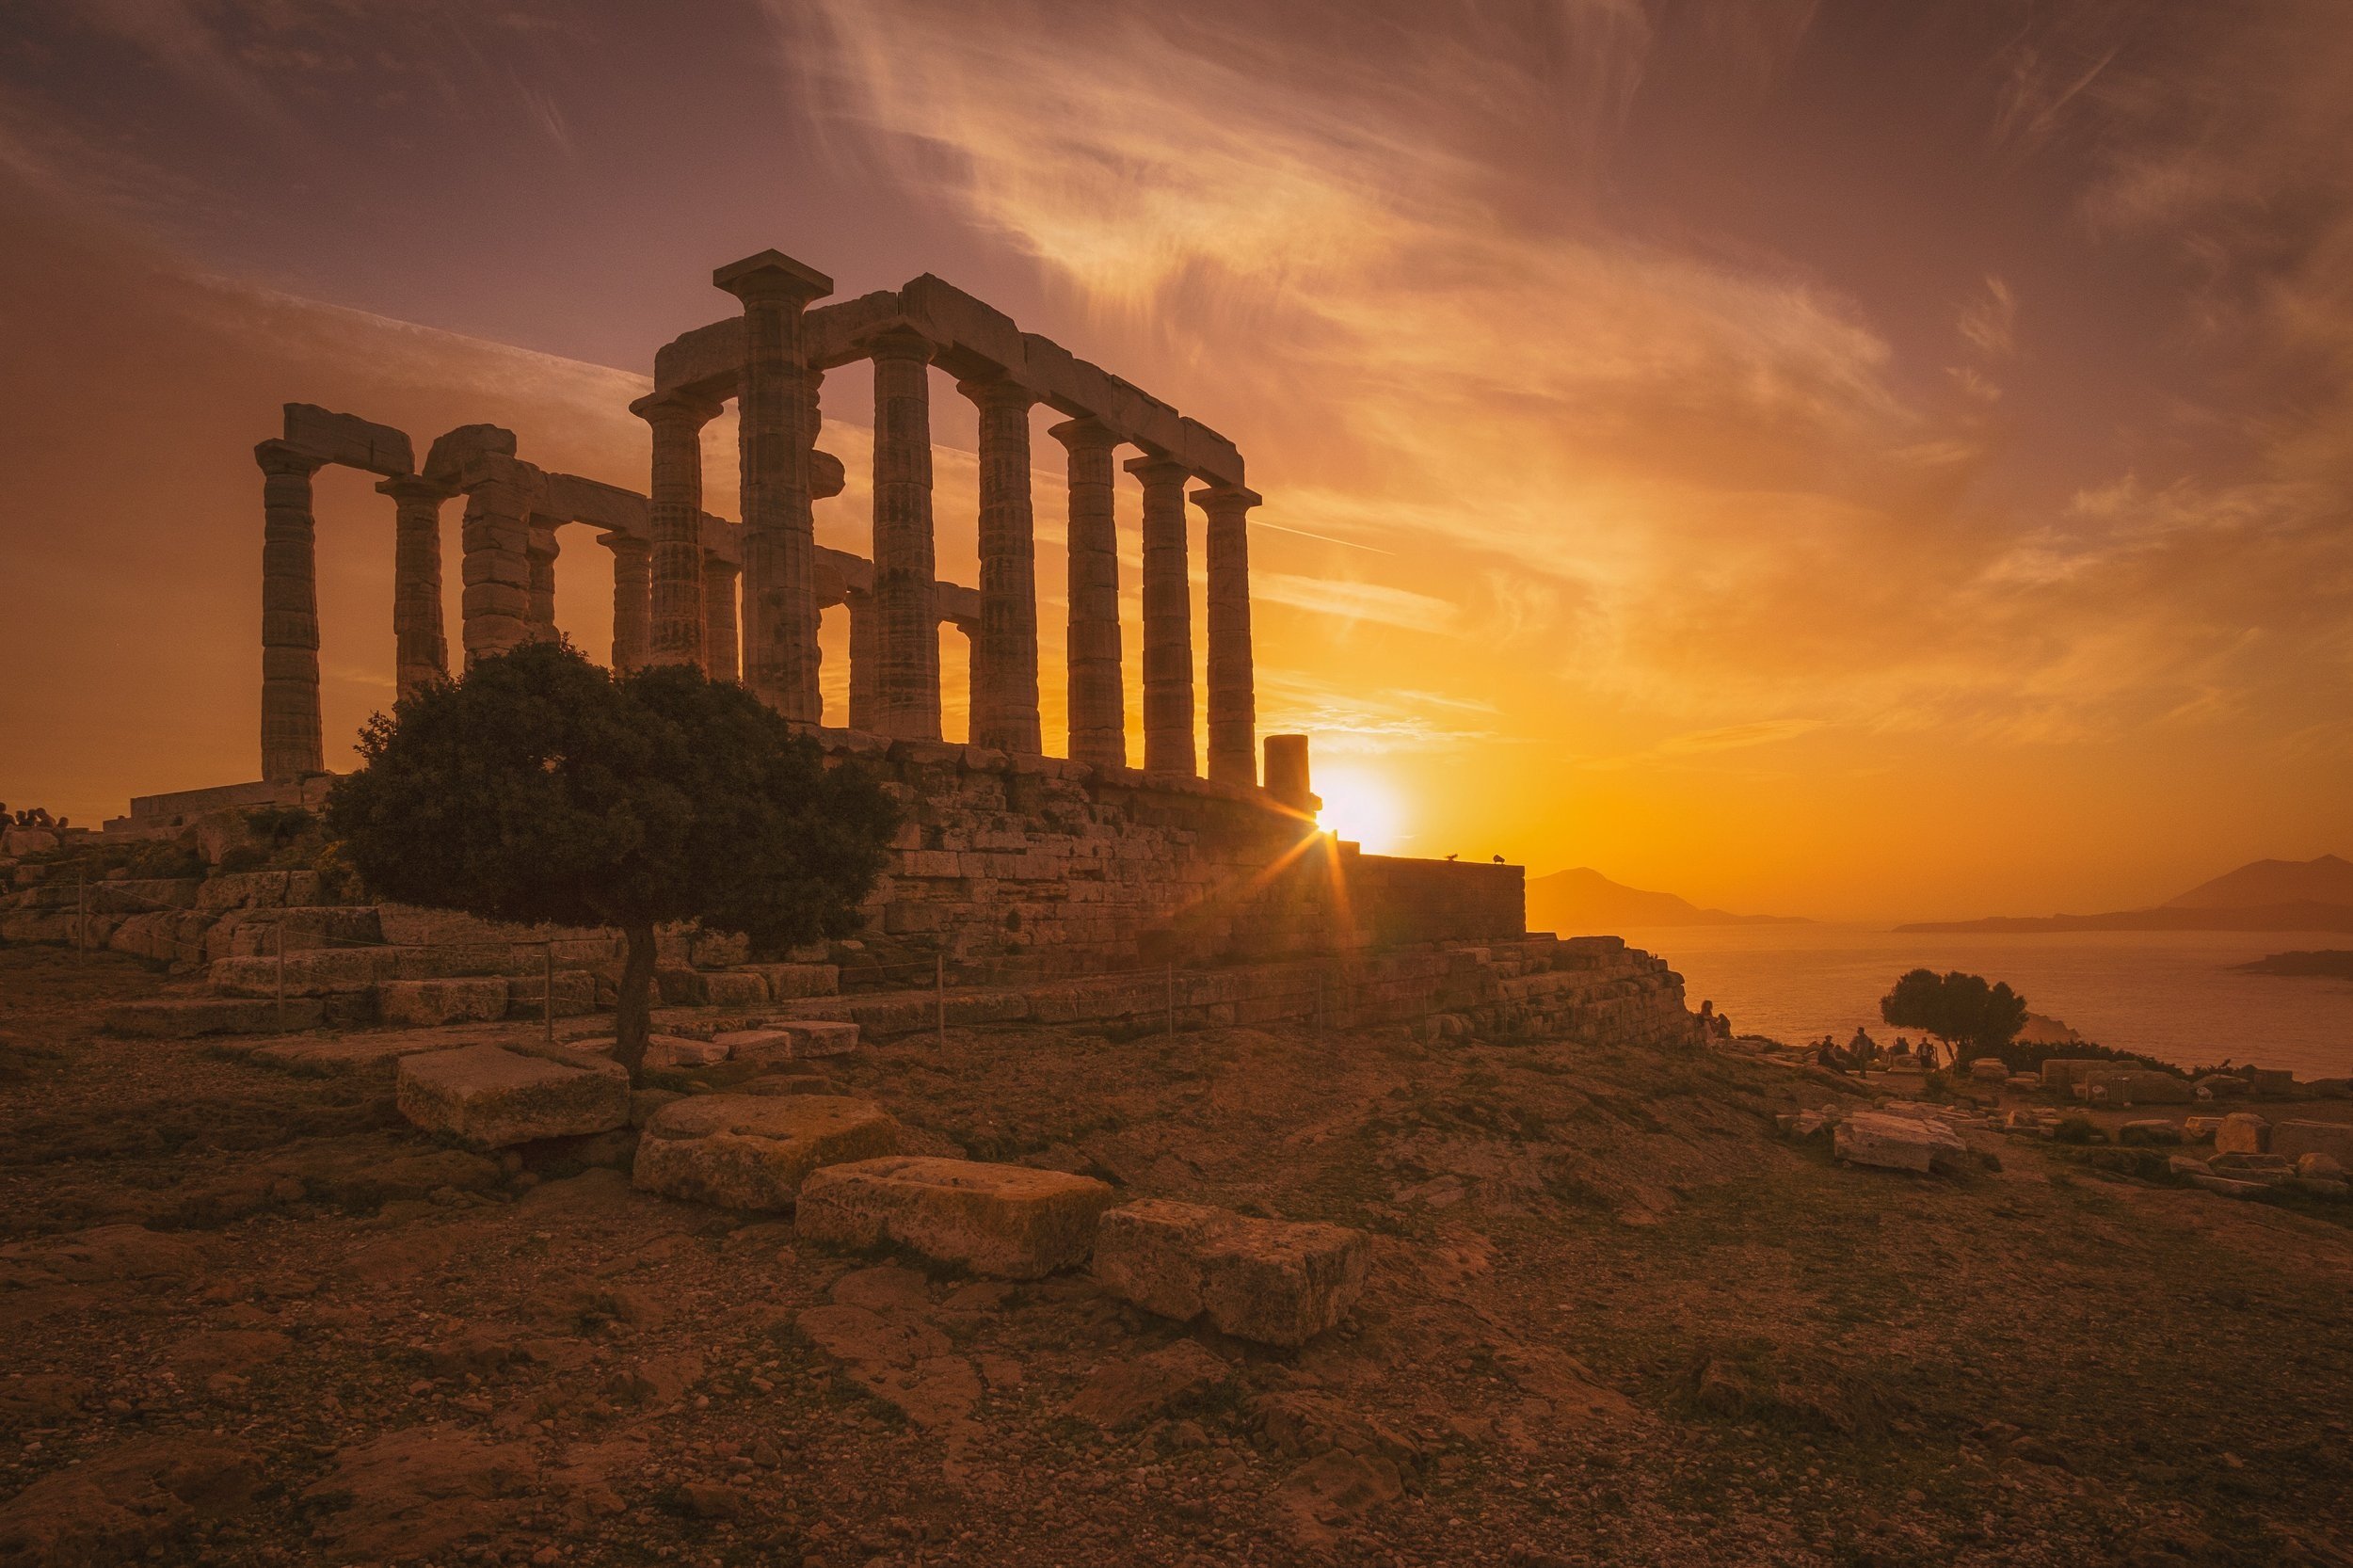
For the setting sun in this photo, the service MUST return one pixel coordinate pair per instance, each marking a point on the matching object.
(1361, 808)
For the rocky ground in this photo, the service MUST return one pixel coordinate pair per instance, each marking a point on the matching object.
(250, 1316)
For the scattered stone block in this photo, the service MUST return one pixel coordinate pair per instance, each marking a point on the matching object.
(2155, 1129)
(1268, 1280)
(2200, 1129)
(1989, 1070)
(2062, 1073)
(1007, 1221)
(2025, 1083)
(426, 1003)
(753, 1151)
(493, 1096)
(1896, 1143)
(2297, 1139)
(791, 1040)
(2242, 1132)
(2224, 1086)
(2320, 1167)
(2182, 1164)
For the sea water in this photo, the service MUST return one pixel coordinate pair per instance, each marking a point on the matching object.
(2171, 994)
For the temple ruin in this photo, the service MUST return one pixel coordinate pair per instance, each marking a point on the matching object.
(742, 601)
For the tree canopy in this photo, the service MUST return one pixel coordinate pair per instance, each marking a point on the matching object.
(1959, 1009)
(540, 787)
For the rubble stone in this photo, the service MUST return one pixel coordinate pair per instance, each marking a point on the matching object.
(2296, 1139)
(493, 1096)
(753, 1151)
(2242, 1132)
(1007, 1221)
(791, 1040)
(1896, 1143)
(1276, 1282)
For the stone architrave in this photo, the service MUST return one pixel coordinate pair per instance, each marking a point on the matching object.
(674, 510)
(632, 598)
(722, 650)
(906, 705)
(1005, 662)
(290, 614)
(775, 432)
(1168, 740)
(497, 566)
(542, 549)
(1098, 725)
(865, 658)
(420, 652)
(1233, 700)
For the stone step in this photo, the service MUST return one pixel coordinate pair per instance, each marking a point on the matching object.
(753, 1151)
(1007, 1221)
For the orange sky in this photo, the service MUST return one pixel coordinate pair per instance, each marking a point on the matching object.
(1834, 459)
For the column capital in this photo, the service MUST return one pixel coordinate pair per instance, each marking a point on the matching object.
(415, 486)
(1158, 469)
(626, 544)
(997, 390)
(772, 275)
(899, 343)
(278, 456)
(1085, 434)
(1227, 497)
(715, 562)
(663, 408)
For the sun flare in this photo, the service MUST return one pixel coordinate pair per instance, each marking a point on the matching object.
(1361, 808)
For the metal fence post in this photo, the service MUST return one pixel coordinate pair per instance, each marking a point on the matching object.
(939, 1000)
(547, 996)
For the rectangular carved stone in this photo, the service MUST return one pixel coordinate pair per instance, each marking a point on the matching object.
(1276, 1282)
(493, 1096)
(1007, 1221)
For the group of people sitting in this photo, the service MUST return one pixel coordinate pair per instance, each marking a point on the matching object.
(1862, 1053)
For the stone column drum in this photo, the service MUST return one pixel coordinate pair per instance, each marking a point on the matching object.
(675, 507)
(907, 639)
(865, 658)
(780, 663)
(632, 598)
(722, 650)
(497, 566)
(1098, 724)
(1168, 740)
(290, 614)
(1004, 663)
(1233, 700)
(420, 652)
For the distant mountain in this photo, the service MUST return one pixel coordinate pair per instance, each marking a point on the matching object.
(2327, 880)
(1583, 900)
(2264, 895)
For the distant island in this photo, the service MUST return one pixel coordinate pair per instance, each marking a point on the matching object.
(1584, 900)
(2332, 963)
(2262, 895)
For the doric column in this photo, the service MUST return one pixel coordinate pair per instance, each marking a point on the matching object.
(542, 549)
(420, 652)
(497, 566)
(1098, 724)
(290, 614)
(779, 533)
(1233, 690)
(1004, 663)
(721, 649)
(632, 601)
(865, 658)
(906, 690)
(675, 514)
(1167, 618)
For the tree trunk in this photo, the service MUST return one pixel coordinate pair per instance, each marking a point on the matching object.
(632, 1013)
